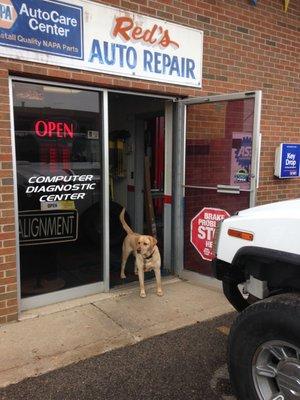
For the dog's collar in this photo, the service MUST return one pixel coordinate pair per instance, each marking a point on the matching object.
(148, 257)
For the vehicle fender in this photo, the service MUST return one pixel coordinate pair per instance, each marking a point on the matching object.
(277, 267)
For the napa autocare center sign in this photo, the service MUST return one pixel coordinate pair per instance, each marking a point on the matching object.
(89, 36)
(40, 26)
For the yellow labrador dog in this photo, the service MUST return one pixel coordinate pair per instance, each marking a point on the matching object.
(147, 256)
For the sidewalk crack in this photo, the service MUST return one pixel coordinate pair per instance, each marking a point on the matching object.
(108, 316)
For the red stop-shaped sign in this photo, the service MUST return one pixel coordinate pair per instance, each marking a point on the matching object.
(203, 227)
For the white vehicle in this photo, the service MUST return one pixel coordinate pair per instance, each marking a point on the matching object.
(257, 257)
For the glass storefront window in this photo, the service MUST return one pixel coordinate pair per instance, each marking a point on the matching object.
(58, 152)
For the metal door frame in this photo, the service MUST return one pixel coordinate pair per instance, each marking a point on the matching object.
(179, 151)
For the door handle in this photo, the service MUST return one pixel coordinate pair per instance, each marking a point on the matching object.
(228, 189)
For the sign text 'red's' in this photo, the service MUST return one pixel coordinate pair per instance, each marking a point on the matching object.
(156, 35)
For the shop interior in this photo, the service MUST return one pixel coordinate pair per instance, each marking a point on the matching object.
(136, 170)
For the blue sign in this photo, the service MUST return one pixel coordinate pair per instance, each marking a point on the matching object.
(290, 160)
(46, 26)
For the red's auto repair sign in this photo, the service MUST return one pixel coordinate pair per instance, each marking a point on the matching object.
(203, 227)
(94, 37)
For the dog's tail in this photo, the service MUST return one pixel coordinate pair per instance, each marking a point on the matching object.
(123, 222)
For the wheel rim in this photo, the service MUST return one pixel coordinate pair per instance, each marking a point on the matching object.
(276, 371)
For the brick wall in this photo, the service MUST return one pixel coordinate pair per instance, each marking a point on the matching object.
(245, 48)
(8, 286)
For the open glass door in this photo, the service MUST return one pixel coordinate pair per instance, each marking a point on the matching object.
(220, 167)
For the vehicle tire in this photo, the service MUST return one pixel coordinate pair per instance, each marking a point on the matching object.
(264, 350)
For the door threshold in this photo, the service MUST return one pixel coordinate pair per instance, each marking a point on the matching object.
(149, 283)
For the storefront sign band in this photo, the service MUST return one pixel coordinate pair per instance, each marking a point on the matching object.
(100, 38)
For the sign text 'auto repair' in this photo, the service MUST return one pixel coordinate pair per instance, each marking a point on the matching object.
(158, 62)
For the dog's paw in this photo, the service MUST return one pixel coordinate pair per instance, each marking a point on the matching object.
(142, 294)
(160, 293)
(123, 276)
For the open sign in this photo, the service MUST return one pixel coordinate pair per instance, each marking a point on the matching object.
(54, 129)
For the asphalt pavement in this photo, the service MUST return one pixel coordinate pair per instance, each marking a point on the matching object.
(189, 363)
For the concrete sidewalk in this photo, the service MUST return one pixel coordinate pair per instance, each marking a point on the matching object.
(54, 336)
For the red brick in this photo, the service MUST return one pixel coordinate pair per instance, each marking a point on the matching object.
(9, 235)
(8, 281)
(12, 303)
(8, 228)
(8, 295)
(7, 251)
(10, 258)
(8, 310)
(11, 289)
(10, 273)
(5, 266)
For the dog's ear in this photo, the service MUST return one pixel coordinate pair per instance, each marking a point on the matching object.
(153, 241)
